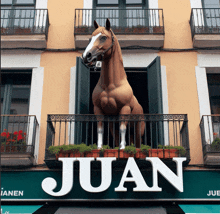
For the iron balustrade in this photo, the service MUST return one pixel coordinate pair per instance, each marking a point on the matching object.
(210, 129)
(160, 129)
(205, 21)
(123, 21)
(24, 21)
(18, 134)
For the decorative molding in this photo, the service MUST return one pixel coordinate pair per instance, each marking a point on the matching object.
(202, 90)
(196, 3)
(41, 4)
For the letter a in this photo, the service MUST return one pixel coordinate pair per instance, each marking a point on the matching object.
(136, 177)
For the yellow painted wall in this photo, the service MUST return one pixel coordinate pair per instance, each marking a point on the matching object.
(180, 69)
(57, 65)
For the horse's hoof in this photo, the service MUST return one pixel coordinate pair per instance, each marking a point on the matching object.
(122, 146)
(99, 146)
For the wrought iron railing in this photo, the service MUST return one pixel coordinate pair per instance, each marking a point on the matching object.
(160, 129)
(205, 21)
(123, 21)
(18, 134)
(24, 21)
(210, 130)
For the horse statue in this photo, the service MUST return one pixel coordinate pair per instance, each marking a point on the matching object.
(112, 95)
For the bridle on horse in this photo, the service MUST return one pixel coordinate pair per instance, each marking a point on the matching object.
(103, 53)
(111, 46)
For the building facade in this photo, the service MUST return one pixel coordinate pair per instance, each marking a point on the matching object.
(171, 56)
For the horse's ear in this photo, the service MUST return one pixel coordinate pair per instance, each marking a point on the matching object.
(107, 25)
(96, 24)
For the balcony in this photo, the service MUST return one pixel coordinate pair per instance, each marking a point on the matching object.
(133, 27)
(24, 28)
(18, 136)
(167, 130)
(205, 27)
(210, 133)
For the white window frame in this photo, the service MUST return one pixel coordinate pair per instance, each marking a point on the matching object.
(29, 61)
(205, 61)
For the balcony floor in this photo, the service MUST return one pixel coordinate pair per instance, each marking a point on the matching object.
(81, 41)
(24, 41)
(16, 160)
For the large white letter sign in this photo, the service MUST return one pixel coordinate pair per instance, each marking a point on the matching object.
(136, 177)
(85, 174)
(159, 166)
(49, 184)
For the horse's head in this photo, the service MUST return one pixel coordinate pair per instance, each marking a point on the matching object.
(101, 42)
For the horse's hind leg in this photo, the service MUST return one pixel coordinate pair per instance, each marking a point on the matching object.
(139, 133)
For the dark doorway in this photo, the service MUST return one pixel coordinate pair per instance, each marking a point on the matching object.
(214, 92)
(138, 82)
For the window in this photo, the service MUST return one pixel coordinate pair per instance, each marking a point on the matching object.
(17, 13)
(15, 92)
(210, 3)
(211, 13)
(122, 13)
(214, 92)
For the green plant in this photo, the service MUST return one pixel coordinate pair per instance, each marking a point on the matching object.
(93, 146)
(82, 148)
(145, 148)
(65, 148)
(54, 149)
(116, 148)
(74, 148)
(181, 149)
(130, 149)
(103, 148)
(216, 144)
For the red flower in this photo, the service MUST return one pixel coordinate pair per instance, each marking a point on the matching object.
(20, 131)
(15, 133)
(24, 133)
(3, 134)
(8, 135)
(19, 137)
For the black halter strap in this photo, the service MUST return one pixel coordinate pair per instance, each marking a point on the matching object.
(111, 46)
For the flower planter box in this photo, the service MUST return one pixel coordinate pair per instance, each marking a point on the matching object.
(128, 30)
(171, 153)
(82, 30)
(75, 154)
(156, 153)
(9, 149)
(125, 155)
(141, 30)
(94, 153)
(22, 31)
(62, 154)
(140, 154)
(111, 153)
(4, 31)
(158, 29)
